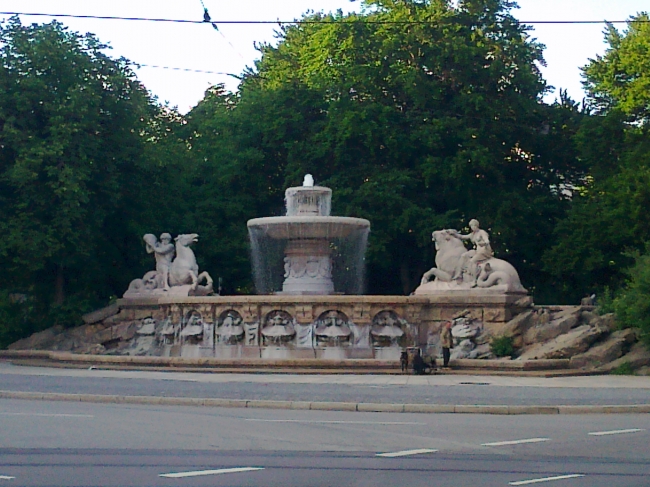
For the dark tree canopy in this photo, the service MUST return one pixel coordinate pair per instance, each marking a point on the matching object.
(73, 123)
(417, 124)
(607, 220)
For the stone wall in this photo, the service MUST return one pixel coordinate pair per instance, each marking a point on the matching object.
(276, 326)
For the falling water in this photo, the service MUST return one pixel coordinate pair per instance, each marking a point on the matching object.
(307, 232)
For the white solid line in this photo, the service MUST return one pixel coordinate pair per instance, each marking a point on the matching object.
(616, 432)
(50, 415)
(199, 473)
(516, 442)
(406, 452)
(6, 477)
(327, 422)
(547, 479)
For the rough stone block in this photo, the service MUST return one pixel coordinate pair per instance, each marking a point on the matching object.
(101, 314)
(637, 357)
(607, 351)
(567, 345)
(560, 323)
(498, 315)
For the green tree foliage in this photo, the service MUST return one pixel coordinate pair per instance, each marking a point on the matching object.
(419, 116)
(73, 126)
(620, 79)
(632, 304)
(608, 214)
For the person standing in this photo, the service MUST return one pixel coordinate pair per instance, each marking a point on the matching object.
(447, 342)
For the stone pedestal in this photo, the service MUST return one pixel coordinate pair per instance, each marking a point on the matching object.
(307, 268)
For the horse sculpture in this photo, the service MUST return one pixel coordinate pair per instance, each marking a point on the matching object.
(182, 273)
(184, 269)
(494, 275)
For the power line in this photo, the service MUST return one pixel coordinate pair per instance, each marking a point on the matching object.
(284, 22)
(188, 70)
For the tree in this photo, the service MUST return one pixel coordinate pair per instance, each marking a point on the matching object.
(607, 220)
(419, 116)
(620, 79)
(73, 124)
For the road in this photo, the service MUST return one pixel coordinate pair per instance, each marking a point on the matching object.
(440, 389)
(84, 444)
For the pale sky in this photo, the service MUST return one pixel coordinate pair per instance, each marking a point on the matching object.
(199, 47)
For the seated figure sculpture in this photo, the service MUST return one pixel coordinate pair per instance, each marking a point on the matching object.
(470, 271)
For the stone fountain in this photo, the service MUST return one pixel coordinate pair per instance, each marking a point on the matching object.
(309, 274)
(318, 254)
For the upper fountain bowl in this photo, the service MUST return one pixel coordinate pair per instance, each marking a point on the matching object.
(308, 227)
(308, 217)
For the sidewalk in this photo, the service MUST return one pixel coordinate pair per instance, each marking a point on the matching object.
(394, 393)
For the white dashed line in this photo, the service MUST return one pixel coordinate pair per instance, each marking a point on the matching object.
(516, 442)
(6, 477)
(199, 473)
(405, 453)
(49, 415)
(546, 479)
(616, 432)
(305, 421)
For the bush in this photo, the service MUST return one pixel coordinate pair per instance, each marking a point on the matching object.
(502, 346)
(632, 302)
(624, 369)
(17, 318)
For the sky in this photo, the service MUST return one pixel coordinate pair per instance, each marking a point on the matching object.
(199, 47)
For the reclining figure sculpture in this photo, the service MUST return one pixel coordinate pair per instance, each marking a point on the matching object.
(475, 270)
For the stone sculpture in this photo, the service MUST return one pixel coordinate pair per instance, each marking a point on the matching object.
(177, 276)
(164, 253)
(471, 271)
(278, 328)
(332, 328)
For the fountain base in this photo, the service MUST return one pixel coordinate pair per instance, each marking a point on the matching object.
(307, 268)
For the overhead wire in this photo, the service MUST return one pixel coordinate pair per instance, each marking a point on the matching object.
(208, 19)
(309, 21)
(188, 70)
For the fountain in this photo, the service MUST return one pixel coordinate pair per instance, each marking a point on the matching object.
(317, 254)
(309, 275)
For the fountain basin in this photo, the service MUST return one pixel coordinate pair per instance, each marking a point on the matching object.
(308, 227)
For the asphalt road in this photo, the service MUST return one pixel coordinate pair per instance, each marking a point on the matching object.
(483, 390)
(73, 444)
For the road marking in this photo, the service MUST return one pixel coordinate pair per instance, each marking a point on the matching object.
(547, 479)
(616, 432)
(516, 442)
(404, 453)
(199, 473)
(52, 415)
(328, 422)
(6, 477)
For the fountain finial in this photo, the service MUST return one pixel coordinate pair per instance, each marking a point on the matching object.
(308, 181)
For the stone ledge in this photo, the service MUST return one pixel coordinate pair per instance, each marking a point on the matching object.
(322, 364)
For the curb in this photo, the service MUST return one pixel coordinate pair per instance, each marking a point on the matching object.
(327, 406)
(48, 358)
